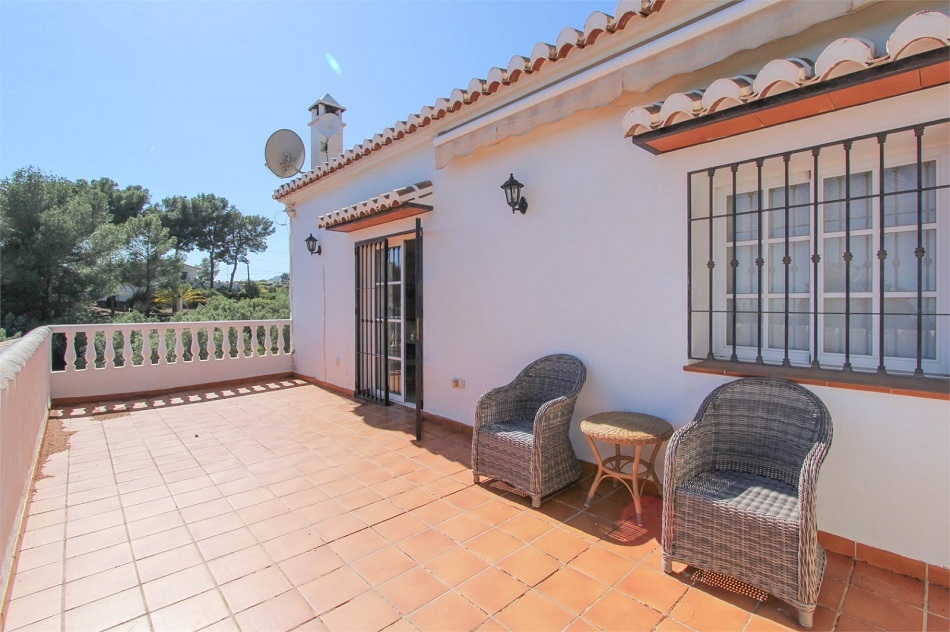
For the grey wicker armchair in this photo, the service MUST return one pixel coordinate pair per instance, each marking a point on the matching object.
(740, 489)
(521, 430)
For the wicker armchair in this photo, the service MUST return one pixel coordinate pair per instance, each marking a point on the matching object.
(521, 430)
(740, 489)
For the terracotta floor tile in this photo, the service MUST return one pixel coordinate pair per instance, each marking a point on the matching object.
(359, 544)
(532, 612)
(492, 590)
(412, 589)
(293, 543)
(377, 512)
(616, 611)
(449, 613)
(383, 565)
(463, 527)
(165, 563)
(37, 579)
(936, 623)
(239, 564)
(493, 545)
(224, 543)
(436, 512)
(276, 527)
(657, 590)
(560, 544)
(572, 590)
(101, 584)
(847, 623)
(107, 612)
(310, 565)
(263, 511)
(702, 612)
(832, 592)
(888, 584)
(602, 565)
(881, 611)
(94, 541)
(155, 524)
(80, 526)
(456, 565)
(334, 588)
(369, 611)
(177, 587)
(252, 589)
(426, 545)
(191, 614)
(149, 545)
(33, 607)
(525, 526)
(839, 567)
(338, 527)
(529, 565)
(496, 511)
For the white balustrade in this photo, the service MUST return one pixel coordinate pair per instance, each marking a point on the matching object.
(154, 356)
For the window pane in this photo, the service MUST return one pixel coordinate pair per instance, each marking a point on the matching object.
(798, 217)
(900, 267)
(799, 270)
(834, 326)
(746, 217)
(834, 264)
(394, 298)
(746, 322)
(395, 340)
(395, 264)
(395, 377)
(901, 210)
(798, 324)
(746, 273)
(900, 328)
(836, 211)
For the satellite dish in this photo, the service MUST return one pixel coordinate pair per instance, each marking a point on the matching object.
(328, 124)
(284, 153)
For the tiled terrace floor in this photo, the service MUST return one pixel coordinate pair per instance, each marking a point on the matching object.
(281, 506)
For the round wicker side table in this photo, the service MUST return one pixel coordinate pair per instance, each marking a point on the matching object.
(625, 428)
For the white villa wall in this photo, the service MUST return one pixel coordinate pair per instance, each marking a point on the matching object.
(597, 268)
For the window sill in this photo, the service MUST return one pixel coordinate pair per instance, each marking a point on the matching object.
(931, 388)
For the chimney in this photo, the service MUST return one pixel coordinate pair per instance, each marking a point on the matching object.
(324, 146)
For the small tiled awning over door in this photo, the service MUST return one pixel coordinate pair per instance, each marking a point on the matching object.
(386, 207)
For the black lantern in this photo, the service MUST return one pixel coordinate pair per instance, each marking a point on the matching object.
(312, 245)
(513, 194)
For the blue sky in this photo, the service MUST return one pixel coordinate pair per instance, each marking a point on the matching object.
(180, 96)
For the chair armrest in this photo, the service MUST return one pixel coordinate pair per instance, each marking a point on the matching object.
(497, 404)
(688, 454)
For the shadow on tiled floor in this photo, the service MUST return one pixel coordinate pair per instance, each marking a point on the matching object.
(278, 506)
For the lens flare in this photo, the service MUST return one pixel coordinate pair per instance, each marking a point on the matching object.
(334, 64)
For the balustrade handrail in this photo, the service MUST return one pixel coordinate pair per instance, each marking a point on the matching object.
(161, 343)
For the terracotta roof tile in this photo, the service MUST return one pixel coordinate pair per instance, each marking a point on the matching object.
(921, 32)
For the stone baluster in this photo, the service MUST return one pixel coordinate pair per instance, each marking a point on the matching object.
(267, 342)
(127, 352)
(90, 355)
(162, 346)
(108, 350)
(193, 347)
(146, 347)
(280, 340)
(179, 345)
(240, 341)
(70, 350)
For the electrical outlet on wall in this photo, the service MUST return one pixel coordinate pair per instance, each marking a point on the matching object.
(458, 382)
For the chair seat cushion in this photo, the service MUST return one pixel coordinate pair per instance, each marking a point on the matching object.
(518, 431)
(747, 493)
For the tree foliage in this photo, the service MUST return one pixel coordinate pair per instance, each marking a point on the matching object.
(54, 237)
(250, 236)
(123, 204)
(149, 263)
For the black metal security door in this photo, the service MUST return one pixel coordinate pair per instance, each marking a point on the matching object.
(371, 321)
(389, 320)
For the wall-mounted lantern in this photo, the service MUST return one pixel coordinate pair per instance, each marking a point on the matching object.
(513, 194)
(313, 245)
